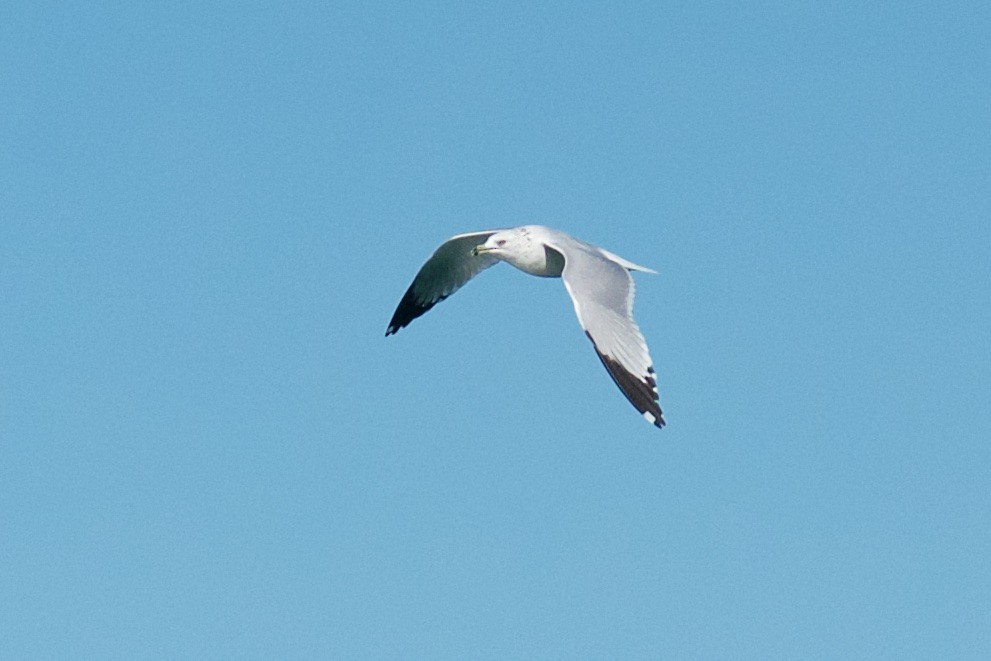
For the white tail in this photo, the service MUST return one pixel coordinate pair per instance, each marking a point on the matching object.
(625, 263)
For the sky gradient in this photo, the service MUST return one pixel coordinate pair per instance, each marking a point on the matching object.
(209, 450)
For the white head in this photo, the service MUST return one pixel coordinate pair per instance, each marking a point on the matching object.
(506, 243)
(522, 248)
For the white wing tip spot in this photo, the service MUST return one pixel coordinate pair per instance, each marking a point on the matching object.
(649, 417)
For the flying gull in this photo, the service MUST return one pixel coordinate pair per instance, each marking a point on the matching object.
(598, 281)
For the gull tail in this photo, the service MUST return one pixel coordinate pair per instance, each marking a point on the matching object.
(626, 264)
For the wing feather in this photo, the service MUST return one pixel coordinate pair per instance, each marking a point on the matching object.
(602, 292)
(447, 270)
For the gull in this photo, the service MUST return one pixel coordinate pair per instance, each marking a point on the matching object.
(599, 283)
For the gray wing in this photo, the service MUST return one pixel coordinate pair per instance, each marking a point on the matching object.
(451, 266)
(602, 292)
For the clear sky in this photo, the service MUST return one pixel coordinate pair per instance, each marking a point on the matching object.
(208, 449)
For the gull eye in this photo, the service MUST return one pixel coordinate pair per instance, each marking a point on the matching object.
(501, 242)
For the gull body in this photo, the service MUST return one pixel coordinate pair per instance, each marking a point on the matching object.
(598, 282)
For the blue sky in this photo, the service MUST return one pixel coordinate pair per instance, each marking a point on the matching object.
(209, 450)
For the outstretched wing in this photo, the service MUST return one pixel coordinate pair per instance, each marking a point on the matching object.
(451, 266)
(602, 292)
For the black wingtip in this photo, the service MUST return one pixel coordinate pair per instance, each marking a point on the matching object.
(410, 307)
(642, 392)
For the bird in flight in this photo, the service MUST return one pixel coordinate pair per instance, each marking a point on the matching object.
(598, 281)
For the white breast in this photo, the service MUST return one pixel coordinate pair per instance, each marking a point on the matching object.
(537, 259)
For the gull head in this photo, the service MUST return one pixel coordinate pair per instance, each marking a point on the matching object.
(523, 249)
(501, 244)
